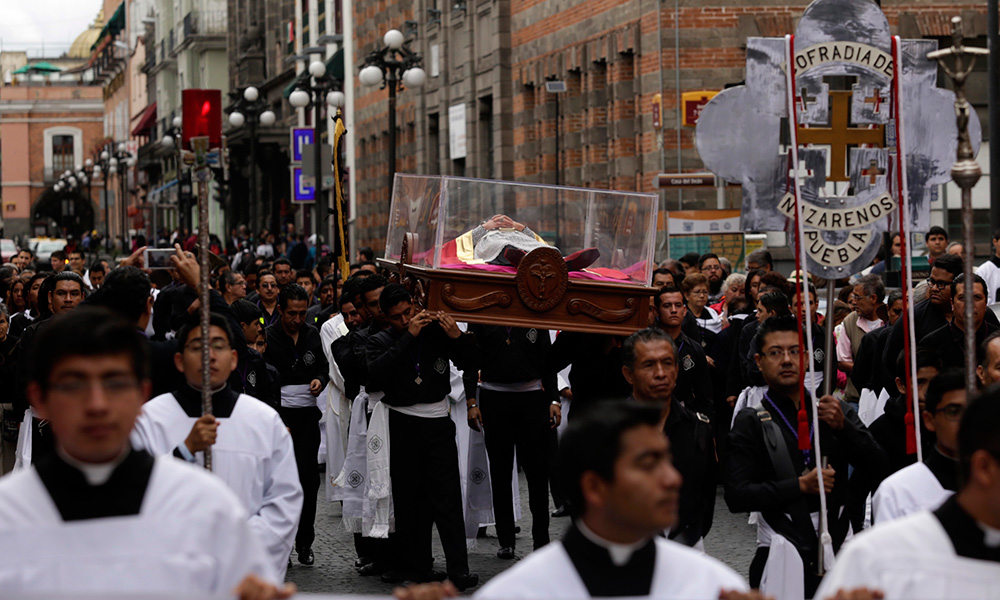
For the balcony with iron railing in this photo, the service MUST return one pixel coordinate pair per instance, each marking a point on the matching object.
(205, 29)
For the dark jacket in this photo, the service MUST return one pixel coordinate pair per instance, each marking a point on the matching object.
(694, 384)
(750, 478)
(889, 431)
(298, 362)
(693, 449)
(596, 372)
(948, 343)
(927, 318)
(511, 355)
(414, 369)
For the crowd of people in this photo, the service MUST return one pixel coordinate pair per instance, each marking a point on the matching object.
(412, 412)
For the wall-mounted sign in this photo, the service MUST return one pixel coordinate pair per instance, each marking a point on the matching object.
(300, 137)
(303, 188)
(693, 102)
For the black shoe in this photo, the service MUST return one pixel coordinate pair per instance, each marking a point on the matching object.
(481, 533)
(464, 582)
(394, 577)
(306, 556)
(371, 569)
(517, 529)
(506, 553)
(561, 511)
(362, 561)
(429, 576)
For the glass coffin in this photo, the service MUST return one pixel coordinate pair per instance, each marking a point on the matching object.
(516, 253)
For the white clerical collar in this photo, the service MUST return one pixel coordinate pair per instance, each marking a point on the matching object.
(620, 553)
(95, 473)
(991, 536)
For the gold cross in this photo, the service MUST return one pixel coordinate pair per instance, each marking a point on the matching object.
(840, 135)
(873, 171)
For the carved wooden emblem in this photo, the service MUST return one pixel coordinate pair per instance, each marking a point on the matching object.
(608, 315)
(542, 279)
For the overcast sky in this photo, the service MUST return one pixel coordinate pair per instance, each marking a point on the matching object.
(53, 24)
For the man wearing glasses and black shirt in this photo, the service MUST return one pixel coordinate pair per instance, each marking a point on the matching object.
(931, 314)
(295, 349)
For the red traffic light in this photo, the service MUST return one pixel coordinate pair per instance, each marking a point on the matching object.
(202, 116)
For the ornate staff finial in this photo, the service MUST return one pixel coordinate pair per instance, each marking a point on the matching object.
(965, 172)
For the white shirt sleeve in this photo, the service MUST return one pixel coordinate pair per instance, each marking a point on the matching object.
(278, 518)
(843, 344)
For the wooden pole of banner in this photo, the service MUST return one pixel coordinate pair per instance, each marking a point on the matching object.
(965, 172)
(203, 175)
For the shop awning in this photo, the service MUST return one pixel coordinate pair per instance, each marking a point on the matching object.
(113, 27)
(38, 67)
(146, 121)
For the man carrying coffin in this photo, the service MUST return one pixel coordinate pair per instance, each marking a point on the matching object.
(251, 449)
(97, 516)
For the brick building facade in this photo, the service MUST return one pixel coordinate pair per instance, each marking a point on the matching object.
(615, 57)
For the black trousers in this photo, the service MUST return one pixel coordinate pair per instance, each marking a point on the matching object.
(426, 491)
(303, 424)
(518, 421)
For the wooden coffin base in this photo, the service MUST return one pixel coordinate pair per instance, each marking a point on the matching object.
(540, 295)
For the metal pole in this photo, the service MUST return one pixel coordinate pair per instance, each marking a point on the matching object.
(252, 124)
(828, 376)
(391, 78)
(993, 71)
(558, 176)
(321, 229)
(107, 208)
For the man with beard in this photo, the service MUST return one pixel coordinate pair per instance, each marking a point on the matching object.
(949, 341)
(651, 367)
(294, 348)
(710, 266)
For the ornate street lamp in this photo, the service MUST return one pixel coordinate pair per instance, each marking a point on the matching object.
(250, 104)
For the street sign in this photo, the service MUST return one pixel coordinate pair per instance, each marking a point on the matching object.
(303, 188)
(693, 102)
(300, 137)
(684, 180)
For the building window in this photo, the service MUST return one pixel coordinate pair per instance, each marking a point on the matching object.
(433, 144)
(486, 150)
(63, 157)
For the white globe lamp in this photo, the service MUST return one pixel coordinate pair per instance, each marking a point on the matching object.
(236, 119)
(267, 118)
(251, 94)
(393, 39)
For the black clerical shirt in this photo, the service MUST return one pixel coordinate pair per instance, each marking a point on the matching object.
(601, 576)
(76, 499)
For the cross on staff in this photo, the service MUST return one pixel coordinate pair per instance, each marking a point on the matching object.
(839, 135)
(965, 171)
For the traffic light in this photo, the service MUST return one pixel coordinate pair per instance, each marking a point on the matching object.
(202, 116)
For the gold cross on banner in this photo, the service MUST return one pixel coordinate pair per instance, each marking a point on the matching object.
(840, 135)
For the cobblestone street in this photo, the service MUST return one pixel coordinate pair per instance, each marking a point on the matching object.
(731, 540)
